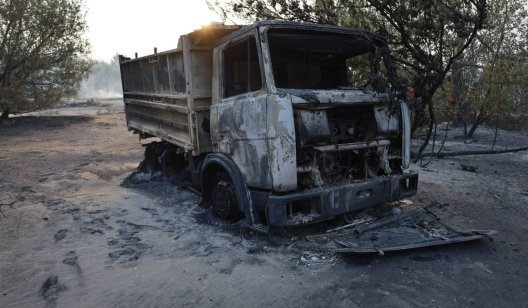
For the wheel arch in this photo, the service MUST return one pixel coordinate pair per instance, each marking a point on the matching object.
(219, 162)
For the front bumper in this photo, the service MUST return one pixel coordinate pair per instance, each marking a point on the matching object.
(324, 203)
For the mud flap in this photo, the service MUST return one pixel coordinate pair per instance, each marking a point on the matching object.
(418, 228)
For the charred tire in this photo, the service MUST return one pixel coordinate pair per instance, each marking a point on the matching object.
(222, 197)
(150, 163)
(217, 163)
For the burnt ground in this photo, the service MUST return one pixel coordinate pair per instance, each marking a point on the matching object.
(78, 238)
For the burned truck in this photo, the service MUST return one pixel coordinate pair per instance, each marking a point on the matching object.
(279, 123)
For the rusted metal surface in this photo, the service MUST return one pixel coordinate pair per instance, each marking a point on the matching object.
(281, 143)
(326, 202)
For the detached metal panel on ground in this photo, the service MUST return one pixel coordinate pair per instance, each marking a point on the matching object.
(417, 228)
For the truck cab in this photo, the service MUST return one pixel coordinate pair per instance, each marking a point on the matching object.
(305, 112)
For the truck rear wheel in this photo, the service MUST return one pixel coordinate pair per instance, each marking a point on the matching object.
(223, 198)
(150, 163)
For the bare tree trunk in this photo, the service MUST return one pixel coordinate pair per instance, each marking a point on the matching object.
(4, 116)
(464, 153)
(478, 120)
(465, 125)
(432, 119)
(480, 115)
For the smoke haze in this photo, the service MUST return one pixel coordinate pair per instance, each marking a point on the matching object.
(104, 81)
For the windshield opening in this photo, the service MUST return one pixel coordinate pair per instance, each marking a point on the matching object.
(304, 59)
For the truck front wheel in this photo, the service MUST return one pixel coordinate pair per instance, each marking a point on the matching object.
(223, 198)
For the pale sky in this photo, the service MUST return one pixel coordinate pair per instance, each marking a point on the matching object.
(129, 26)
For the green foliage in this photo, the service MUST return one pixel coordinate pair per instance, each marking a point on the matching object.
(491, 78)
(295, 10)
(430, 35)
(42, 52)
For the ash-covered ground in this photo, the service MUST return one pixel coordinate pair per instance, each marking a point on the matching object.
(77, 238)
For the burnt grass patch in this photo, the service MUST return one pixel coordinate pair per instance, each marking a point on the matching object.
(20, 125)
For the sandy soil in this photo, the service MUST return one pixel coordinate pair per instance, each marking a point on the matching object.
(79, 239)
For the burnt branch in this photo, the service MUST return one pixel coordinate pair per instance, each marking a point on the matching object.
(465, 153)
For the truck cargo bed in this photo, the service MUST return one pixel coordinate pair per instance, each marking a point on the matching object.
(168, 94)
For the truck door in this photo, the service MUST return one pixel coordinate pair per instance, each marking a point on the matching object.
(240, 111)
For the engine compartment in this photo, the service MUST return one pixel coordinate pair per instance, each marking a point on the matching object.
(340, 144)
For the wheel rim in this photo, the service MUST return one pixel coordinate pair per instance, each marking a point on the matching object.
(223, 199)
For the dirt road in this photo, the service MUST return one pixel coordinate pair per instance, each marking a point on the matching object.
(79, 239)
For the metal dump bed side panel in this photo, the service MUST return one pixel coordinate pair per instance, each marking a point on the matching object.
(155, 96)
(168, 94)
